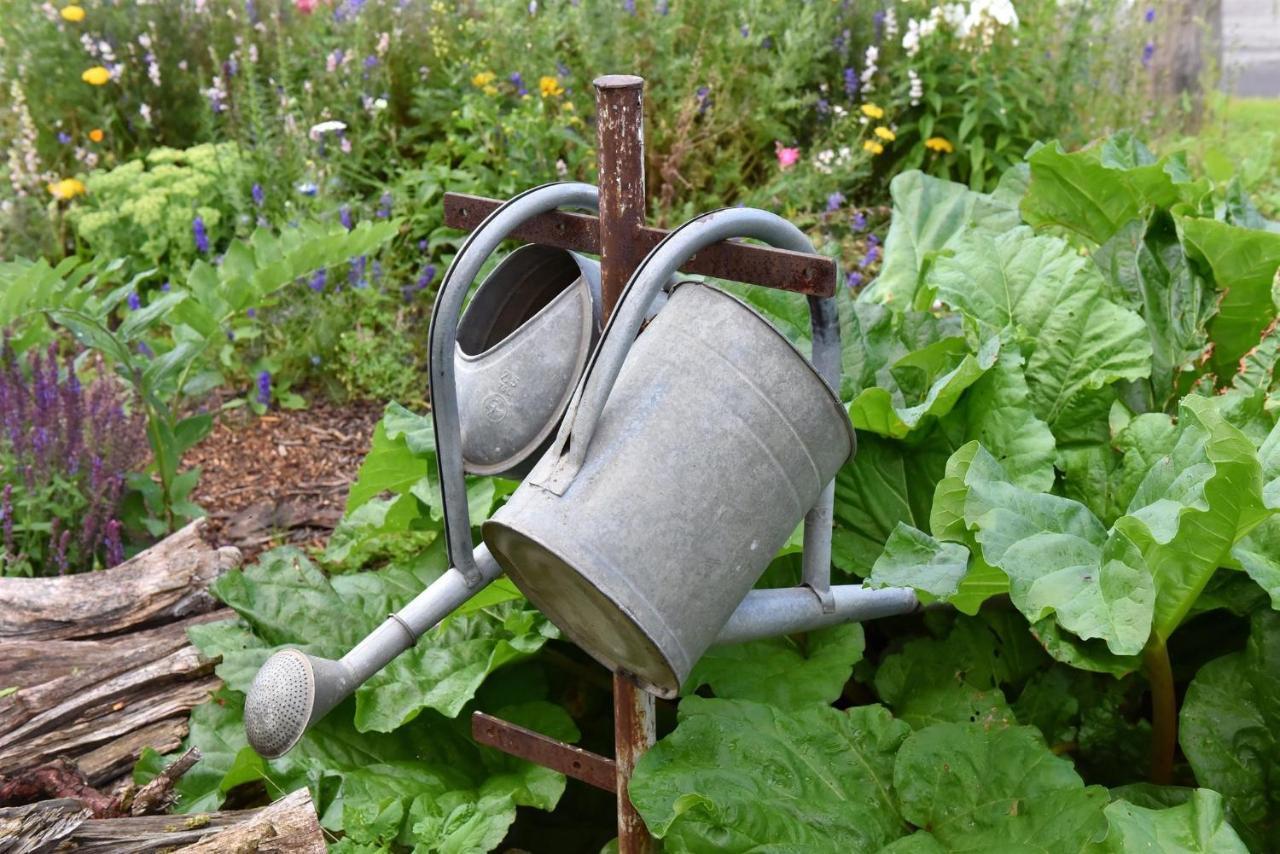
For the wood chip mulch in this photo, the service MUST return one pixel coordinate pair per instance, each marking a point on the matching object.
(281, 477)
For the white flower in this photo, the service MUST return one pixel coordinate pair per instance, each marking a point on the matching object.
(561, 169)
(322, 128)
(869, 69)
(379, 104)
(145, 112)
(890, 23)
(917, 87)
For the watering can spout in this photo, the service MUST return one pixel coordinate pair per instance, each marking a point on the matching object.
(293, 690)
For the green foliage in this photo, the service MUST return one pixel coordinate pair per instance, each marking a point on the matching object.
(144, 209)
(395, 764)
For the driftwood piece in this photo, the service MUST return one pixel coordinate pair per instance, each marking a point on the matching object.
(288, 826)
(164, 583)
(101, 661)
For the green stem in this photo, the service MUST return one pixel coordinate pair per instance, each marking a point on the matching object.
(1164, 711)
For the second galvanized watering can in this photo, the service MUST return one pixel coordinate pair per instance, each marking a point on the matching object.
(680, 472)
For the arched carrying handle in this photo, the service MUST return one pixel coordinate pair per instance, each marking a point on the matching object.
(556, 471)
(442, 340)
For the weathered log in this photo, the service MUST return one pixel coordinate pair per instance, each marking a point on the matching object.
(288, 826)
(101, 662)
(158, 795)
(164, 583)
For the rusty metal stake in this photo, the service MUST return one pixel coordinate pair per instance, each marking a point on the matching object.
(633, 734)
(591, 768)
(620, 163)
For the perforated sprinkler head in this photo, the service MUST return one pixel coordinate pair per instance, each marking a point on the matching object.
(292, 691)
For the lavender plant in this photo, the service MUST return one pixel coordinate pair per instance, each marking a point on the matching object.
(65, 449)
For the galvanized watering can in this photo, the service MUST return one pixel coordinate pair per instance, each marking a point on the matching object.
(679, 473)
(522, 345)
(711, 441)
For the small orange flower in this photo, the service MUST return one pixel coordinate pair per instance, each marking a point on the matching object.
(96, 135)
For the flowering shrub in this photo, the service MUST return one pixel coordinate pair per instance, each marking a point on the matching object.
(65, 449)
(162, 211)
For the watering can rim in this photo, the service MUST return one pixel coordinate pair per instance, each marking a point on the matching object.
(832, 394)
(579, 288)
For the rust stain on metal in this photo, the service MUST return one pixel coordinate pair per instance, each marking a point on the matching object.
(591, 768)
(633, 733)
(812, 275)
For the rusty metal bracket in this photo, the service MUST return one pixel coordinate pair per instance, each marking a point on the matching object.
(591, 768)
(782, 269)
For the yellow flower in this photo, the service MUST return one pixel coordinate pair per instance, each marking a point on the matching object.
(490, 90)
(568, 105)
(886, 134)
(96, 134)
(483, 79)
(74, 14)
(96, 76)
(67, 188)
(549, 87)
(872, 111)
(939, 144)
(873, 146)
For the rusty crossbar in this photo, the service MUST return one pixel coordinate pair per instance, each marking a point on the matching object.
(591, 768)
(812, 275)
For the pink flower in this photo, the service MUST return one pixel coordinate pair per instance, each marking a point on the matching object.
(306, 7)
(787, 157)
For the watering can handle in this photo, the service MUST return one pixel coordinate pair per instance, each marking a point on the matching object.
(562, 463)
(442, 340)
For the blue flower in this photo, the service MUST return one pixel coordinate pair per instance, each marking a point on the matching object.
(258, 195)
(318, 280)
(264, 388)
(872, 256)
(307, 188)
(562, 69)
(135, 301)
(835, 200)
(629, 6)
(370, 61)
(145, 350)
(853, 279)
(166, 287)
(859, 221)
(344, 217)
(423, 245)
(823, 106)
(251, 312)
(850, 82)
(1150, 16)
(518, 82)
(745, 30)
(64, 137)
(1148, 51)
(355, 275)
(704, 99)
(201, 236)
(384, 205)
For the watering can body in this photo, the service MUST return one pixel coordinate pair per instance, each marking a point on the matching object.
(716, 439)
(522, 344)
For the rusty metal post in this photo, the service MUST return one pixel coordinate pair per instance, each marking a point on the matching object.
(633, 734)
(620, 163)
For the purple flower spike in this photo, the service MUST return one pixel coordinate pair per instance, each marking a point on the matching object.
(834, 201)
(853, 280)
(201, 236)
(1150, 15)
(135, 301)
(318, 280)
(258, 195)
(264, 388)
(344, 217)
(1148, 51)
(850, 82)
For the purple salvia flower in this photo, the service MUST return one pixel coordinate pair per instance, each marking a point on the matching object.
(872, 256)
(259, 196)
(112, 546)
(166, 287)
(873, 240)
(145, 350)
(423, 245)
(859, 221)
(629, 6)
(1150, 15)
(1148, 51)
(878, 20)
(562, 70)
(823, 106)
(356, 274)
(518, 82)
(704, 99)
(344, 217)
(850, 82)
(264, 388)
(766, 43)
(135, 301)
(834, 201)
(384, 205)
(318, 280)
(6, 515)
(853, 280)
(744, 30)
(201, 236)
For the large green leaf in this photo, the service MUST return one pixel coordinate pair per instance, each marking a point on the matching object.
(1192, 507)
(1060, 560)
(402, 453)
(903, 369)
(1096, 191)
(983, 787)
(1054, 300)
(959, 677)
(1244, 263)
(1229, 729)
(785, 672)
(1148, 271)
(742, 776)
(1198, 826)
(912, 558)
(929, 214)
